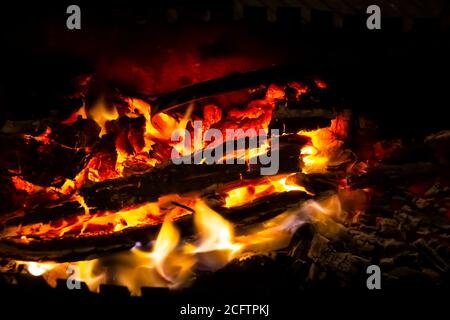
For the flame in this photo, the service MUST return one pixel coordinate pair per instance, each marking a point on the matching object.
(273, 234)
(45, 136)
(90, 274)
(101, 114)
(168, 261)
(239, 196)
(149, 213)
(37, 269)
(166, 242)
(215, 232)
(299, 88)
(328, 207)
(323, 145)
(74, 116)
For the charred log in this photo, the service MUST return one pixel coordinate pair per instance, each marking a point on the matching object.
(181, 179)
(317, 182)
(37, 161)
(84, 247)
(262, 209)
(385, 175)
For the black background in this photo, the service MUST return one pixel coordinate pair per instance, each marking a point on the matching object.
(399, 78)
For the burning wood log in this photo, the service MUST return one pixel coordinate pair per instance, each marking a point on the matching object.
(54, 213)
(83, 247)
(39, 160)
(165, 179)
(232, 82)
(180, 179)
(262, 209)
(117, 194)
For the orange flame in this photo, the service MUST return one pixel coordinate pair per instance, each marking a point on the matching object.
(242, 195)
(324, 143)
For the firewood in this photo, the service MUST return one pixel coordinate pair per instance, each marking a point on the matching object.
(170, 178)
(262, 209)
(124, 192)
(165, 179)
(82, 247)
(45, 214)
(37, 161)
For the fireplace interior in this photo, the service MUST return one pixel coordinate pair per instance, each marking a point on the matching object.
(91, 195)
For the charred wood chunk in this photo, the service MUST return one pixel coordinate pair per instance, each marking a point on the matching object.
(7, 202)
(342, 263)
(37, 161)
(431, 255)
(81, 134)
(440, 143)
(47, 214)
(316, 182)
(294, 120)
(301, 242)
(24, 126)
(388, 175)
(294, 125)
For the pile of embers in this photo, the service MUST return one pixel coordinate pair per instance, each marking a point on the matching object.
(399, 190)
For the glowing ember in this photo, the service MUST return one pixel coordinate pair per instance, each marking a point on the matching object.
(242, 195)
(324, 144)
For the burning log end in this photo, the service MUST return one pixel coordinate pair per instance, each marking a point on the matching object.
(316, 183)
(262, 209)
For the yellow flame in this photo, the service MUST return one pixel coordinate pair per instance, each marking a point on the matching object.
(243, 195)
(101, 114)
(215, 232)
(37, 269)
(170, 262)
(166, 242)
(324, 143)
(90, 274)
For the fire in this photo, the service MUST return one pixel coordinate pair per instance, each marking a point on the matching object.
(74, 116)
(88, 272)
(24, 185)
(101, 114)
(169, 260)
(216, 234)
(324, 144)
(44, 137)
(38, 269)
(166, 242)
(246, 194)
